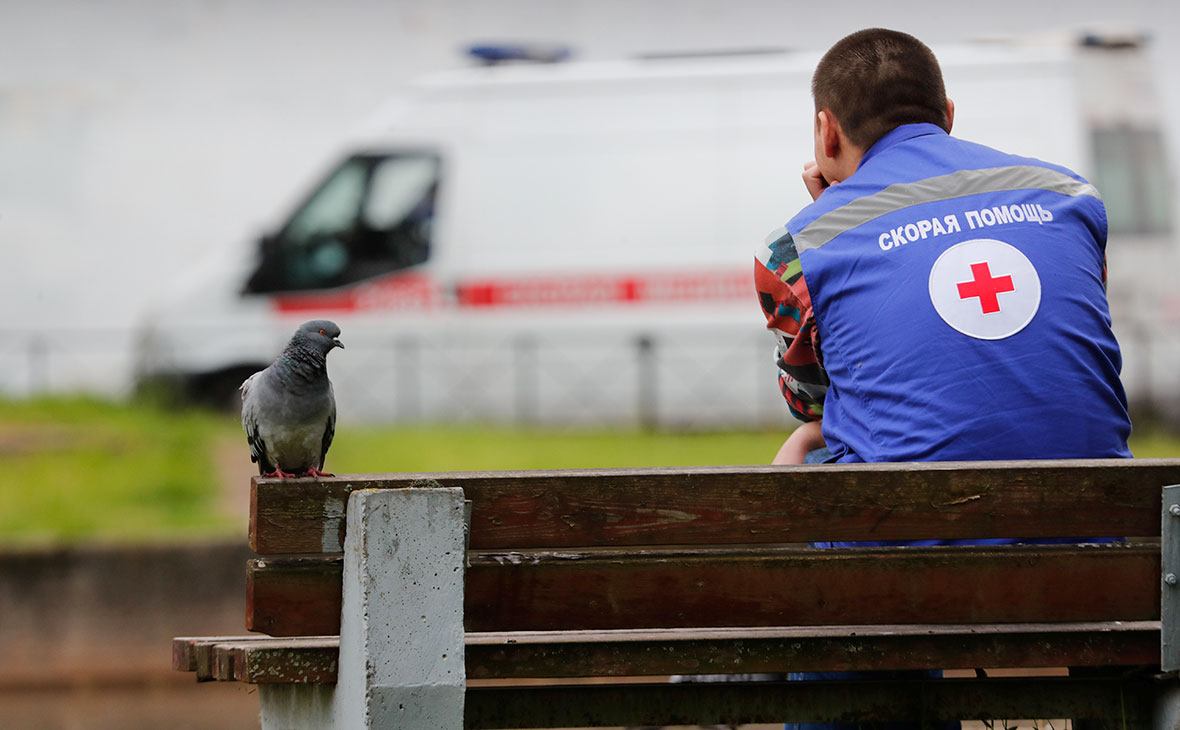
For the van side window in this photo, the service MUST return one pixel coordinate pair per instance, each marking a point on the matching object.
(371, 216)
(1131, 173)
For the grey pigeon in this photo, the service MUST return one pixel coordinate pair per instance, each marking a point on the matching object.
(289, 410)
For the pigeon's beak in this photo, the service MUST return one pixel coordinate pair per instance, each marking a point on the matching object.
(337, 343)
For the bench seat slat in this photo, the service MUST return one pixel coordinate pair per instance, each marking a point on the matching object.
(1125, 702)
(736, 505)
(185, 649)
(625, 653)
(746, 587)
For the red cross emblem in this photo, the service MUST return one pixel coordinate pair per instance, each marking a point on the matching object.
(986, 287)
(962, 274)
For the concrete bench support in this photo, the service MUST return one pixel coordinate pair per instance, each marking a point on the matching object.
(401, 633)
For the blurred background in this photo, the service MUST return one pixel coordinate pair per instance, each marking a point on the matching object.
(149, 151)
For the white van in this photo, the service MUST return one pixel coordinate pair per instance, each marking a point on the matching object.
(573, 242)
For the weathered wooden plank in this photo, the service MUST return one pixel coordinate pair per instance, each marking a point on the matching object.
(1125, 701)
(304, 660)
(294, 596)
(629, 653)
(731, 650)
(185, 649)
(184, 656)
(771, 586)
(740, 505)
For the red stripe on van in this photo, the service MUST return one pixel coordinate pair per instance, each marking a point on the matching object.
(417, 291)
(603, 289)
(399, 292)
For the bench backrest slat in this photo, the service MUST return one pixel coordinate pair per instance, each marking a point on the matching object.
(767, 586)
(721, 546)
(748, 505)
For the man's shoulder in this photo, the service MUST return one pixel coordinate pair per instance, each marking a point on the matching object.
(918, 168)
(967, 155)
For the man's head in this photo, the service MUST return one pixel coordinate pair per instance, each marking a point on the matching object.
(866, 85)
(877, 79)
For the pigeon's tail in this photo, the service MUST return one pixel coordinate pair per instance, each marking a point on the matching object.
(258, 452)
(329, 433)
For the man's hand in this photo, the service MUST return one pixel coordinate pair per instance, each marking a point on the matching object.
(812, 178)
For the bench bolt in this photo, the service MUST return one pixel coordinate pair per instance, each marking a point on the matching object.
(1175, 510)
(1171, 579)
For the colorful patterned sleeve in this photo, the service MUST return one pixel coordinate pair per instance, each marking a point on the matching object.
(786, 303)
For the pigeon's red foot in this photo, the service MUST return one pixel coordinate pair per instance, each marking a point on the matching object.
(278, 472)
(315, 473)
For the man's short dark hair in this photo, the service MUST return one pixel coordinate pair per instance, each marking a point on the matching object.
(875, 80)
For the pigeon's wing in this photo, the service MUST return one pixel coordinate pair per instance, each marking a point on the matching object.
(329, 427)
(250, 425)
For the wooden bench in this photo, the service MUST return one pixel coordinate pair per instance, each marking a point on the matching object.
(583, 590)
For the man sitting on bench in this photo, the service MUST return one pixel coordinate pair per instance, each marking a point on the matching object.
(939, 300)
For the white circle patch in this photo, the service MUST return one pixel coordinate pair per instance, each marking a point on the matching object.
(985, 288)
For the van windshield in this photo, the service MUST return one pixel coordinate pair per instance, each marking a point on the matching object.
(371, 216)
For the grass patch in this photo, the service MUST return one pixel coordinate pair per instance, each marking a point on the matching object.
(84, 468)
(1154, 443)
(79, 469)
(474, 448)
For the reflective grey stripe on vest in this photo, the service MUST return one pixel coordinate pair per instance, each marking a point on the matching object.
(935, 189)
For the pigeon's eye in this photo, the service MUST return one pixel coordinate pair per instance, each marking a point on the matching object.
(322, 332)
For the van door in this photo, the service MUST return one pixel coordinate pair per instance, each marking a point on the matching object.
(372, 216)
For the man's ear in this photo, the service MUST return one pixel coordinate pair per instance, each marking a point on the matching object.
(950, 114)
(829, 133)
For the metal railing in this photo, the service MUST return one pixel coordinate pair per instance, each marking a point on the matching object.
(709, 378)
(717, 380)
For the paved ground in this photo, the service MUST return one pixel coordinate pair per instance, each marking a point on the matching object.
(166, 704)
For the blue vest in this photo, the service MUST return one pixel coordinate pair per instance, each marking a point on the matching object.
(961, 309)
